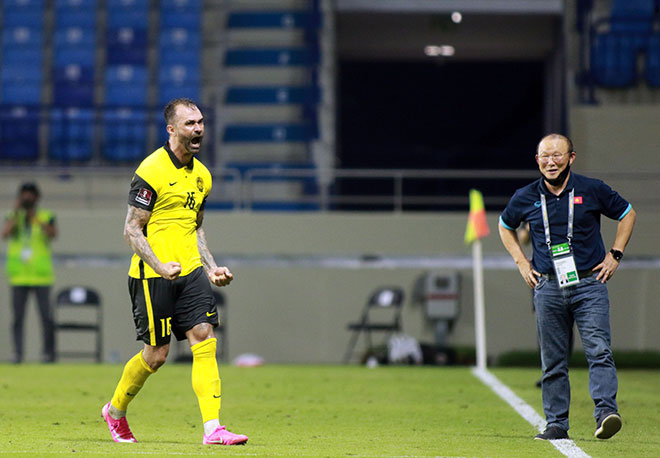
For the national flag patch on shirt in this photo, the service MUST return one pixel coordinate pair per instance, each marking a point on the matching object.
(577, 199)
(143, 196)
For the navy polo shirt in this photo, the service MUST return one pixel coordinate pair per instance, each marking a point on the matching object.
(592, 198)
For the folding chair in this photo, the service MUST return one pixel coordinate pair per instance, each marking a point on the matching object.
(78, 309)
(384, 303)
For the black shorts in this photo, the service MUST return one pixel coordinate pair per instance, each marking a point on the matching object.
(161, 306)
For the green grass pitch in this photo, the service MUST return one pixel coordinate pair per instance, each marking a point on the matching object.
(311, 411)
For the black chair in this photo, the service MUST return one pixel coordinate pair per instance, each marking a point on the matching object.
(79, 309)
(382, 313)
(183, 354)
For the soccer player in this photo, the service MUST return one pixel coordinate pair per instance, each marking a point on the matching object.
(171, 273)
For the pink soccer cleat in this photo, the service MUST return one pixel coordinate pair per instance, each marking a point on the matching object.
(223, 437)
(119, 429)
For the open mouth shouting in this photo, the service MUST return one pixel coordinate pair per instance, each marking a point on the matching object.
(195, 142)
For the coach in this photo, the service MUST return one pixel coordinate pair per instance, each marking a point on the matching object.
(568, 271)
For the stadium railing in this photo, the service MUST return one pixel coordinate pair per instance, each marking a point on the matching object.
(282, 189)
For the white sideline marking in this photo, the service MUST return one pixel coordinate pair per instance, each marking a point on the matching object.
(565, 446)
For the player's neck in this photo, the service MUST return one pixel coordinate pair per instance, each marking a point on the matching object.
(181, 154)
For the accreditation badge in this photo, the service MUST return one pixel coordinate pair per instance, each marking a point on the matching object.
(564, 264)
(26, 254)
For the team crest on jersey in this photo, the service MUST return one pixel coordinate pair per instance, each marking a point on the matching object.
(200, 184)
(143, 196)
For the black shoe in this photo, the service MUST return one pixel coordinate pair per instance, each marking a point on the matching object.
(608, 425)
(552, 433)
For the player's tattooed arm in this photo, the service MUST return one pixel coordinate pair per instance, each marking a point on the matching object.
(207, 258)
(136, 219)
(219, 276)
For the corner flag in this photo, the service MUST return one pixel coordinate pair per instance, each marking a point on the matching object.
(477, 226)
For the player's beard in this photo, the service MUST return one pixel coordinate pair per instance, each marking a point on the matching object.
(559, 180)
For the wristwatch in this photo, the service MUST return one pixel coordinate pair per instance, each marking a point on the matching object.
(616, 254)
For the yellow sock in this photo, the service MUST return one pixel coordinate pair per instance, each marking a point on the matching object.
(206, 379)
(132, 379)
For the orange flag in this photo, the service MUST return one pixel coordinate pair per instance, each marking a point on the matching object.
(477, 226)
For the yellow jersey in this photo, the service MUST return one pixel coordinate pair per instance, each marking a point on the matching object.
(174, 194)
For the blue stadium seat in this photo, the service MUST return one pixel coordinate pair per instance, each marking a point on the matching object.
(169, 92)
(634, 18)
(181, 13)
(128, 13)
(652, 70)
(128, 4)
(75, 4)
(126, 45)
(20, 83)
(124, 135)
(73, 84)
(86, 18)
(76, 36)
(23, 4)
(178, 74)
(181, 5)
(185, 19)
(32, 18)
(190, 59)
(24, 56)
(22, 36)
(71, 134)
(273, 95)
(278, 132)
(17, 93)
(273, 19)
(179, 40)
(614, 60)
(19, 133)
(176, 81)
(632, 9)
(272, 57)
(66, 55)
(126, 85)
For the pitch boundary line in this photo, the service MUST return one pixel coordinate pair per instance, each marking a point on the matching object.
(566, 446)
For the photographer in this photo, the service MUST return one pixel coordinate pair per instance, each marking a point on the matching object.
(29, 231)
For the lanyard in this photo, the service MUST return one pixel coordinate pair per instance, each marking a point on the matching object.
(546, 222)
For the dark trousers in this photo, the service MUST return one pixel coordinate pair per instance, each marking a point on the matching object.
(19, 296)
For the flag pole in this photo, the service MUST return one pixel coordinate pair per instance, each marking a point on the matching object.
(477, 228)
(479, 306)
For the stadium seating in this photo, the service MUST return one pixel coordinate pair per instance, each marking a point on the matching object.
(274, 19)
(300, 132)
(614, 60)
(272, 57)
(21, 74)
(124, 134)
(617, 41)
(652, 67)
(179, 50)
(71, 134)
(73, 85)
(273, 95)
(19, 133)
(126, 85)
(127, 45)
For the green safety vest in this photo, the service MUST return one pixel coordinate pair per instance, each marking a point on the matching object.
(29, 260)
